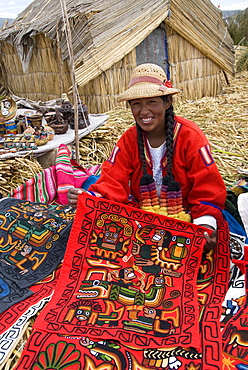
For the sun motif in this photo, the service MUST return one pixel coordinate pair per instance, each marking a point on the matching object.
(227, 363)
(59, 356)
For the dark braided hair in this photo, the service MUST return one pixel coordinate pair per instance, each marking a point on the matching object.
(170, 202)
(168, 179)
(145, 179)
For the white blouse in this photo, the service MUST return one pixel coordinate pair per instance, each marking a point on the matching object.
(157, 154)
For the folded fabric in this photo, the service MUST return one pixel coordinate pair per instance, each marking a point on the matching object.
(52, 184)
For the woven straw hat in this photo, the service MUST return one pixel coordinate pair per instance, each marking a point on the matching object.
(147, 80)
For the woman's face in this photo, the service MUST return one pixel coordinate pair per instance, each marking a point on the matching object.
(149, 113)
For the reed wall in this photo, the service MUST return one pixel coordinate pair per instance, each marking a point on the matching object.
(47, 76)
(100, 94)
(191, 71)
(42, 79)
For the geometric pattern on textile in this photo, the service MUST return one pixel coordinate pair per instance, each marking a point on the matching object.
(128, 275)
(33, 239)
(10, 293)
(235, 334)
(10, 338)
(52, 184)
(13, 321)
(133, 293)
(236, 288)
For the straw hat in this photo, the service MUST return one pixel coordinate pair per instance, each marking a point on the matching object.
(147, 80)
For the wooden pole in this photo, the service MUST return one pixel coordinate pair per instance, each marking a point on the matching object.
(73, 78)
(60, 63)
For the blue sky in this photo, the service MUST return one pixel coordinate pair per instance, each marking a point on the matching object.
(10, 8)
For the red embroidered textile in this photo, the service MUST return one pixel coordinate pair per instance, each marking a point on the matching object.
(235, 334)
(129, 295)
(124, 268)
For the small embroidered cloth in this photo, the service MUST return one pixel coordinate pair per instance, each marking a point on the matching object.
(33, 239)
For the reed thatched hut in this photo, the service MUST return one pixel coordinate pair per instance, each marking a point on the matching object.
(187, 38)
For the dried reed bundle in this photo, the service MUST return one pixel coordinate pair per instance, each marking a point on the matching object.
(16, 171)
(96, 147)
(224, 120)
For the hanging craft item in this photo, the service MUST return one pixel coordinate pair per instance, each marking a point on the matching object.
(8, 108)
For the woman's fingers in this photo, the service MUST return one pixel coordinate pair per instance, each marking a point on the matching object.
(210, 240)
(72, 196)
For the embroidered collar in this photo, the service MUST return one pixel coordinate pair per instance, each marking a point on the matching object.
(148, 156)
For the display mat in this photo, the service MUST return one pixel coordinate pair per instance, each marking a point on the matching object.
(134, 292)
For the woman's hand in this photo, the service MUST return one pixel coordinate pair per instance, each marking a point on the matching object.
(211, 240)
(72, 196)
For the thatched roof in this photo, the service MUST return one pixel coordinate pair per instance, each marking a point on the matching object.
(103, 31)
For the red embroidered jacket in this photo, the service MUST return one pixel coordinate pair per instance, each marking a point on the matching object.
(203, 189)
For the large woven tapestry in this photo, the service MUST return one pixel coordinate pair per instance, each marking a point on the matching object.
(136, 291)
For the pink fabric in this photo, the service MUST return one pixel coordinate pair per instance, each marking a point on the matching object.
(152, 80)
(52, 184)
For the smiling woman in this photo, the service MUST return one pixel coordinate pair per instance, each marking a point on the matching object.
(164, 162)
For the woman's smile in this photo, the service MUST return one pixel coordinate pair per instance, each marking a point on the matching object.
(146, 120)
(149, 113)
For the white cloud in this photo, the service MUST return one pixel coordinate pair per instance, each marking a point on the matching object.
(8, 15)
(237, 6)
(11, 3)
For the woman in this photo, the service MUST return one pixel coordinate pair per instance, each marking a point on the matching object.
(164, 162)
(127, 298)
